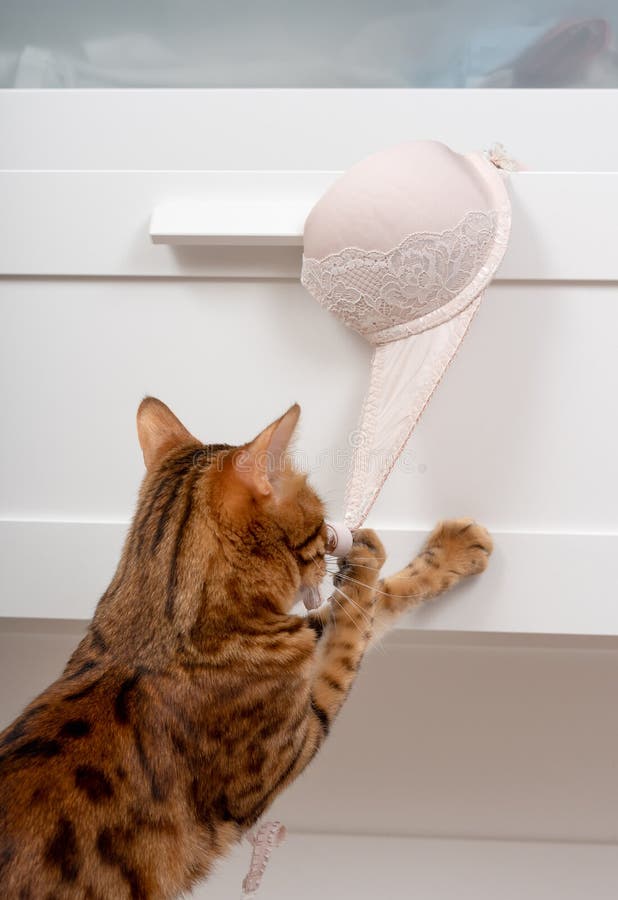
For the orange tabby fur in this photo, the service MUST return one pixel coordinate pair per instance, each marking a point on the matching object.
(196, 696)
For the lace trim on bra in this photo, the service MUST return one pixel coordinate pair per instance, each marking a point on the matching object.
(425, 280)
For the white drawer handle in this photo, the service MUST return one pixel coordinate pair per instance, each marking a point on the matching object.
(218, 222)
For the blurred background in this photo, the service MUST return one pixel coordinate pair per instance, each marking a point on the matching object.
(275, 43)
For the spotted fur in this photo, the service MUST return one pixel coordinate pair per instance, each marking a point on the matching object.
(196, 696)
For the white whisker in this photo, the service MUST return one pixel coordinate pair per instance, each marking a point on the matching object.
(343, 609)
(357, 566)
(370, 643)
(368, 619)
(410, 597)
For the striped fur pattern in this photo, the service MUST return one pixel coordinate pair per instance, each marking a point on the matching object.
(196, 696)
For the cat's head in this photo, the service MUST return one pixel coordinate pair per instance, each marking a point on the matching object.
(241, 516)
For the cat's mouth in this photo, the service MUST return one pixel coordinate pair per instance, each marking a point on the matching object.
(310, 596)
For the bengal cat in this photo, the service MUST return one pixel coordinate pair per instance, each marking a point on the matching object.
(196, 696)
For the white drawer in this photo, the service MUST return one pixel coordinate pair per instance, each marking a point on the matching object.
(521, 434)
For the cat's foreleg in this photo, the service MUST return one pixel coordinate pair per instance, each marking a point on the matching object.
(454, 550)
(364, 607)
(346, 627)
(343, 630)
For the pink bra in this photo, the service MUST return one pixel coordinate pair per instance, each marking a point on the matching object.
(401, 249)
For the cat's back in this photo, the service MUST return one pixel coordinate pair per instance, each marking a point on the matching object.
(86, 802)
(129, 781)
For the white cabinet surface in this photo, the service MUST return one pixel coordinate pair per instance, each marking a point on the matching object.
(492, 765)
(519, 435)
(95, 315)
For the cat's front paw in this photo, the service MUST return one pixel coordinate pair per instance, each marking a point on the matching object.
(367, 548)
(364, 561)
(461, 546)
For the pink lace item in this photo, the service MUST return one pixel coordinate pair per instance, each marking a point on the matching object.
(401, 248)
(264, 839)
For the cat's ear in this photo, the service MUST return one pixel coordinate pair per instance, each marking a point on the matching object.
(260, 464)
(159, 431)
